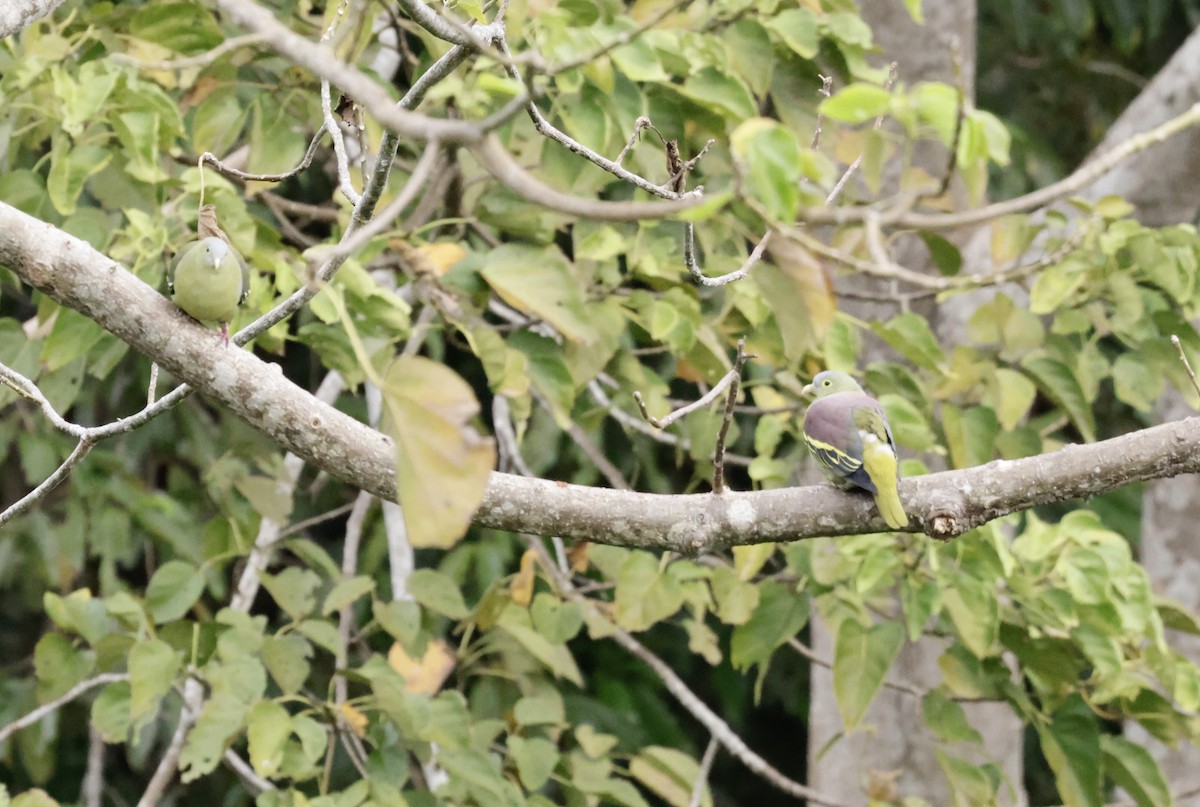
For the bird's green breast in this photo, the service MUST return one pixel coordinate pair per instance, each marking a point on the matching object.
(208, 293)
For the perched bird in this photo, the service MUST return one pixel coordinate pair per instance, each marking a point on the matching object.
(209, 279)
(847, 432)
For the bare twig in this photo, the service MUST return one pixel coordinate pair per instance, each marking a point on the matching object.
(849, 172)
(253, 782)
(1186, 364)
(210, 158)
(689, 258)
(63, 699)
(199, 60)
(706, 763)
(824, 92)
(91, 790)
(638, 125)
(193, 699)
(1083, 176)
(700, 403)
(716, 726)
(727, 417)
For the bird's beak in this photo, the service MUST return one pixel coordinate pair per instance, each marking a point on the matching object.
(808, 390)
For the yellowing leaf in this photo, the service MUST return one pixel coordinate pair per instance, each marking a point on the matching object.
(355, 719)
(426, 674)
(442, 463)
(439, 258)
(521, 587)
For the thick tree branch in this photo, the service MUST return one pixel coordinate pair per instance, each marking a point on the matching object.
(944, 504)
(17, 14)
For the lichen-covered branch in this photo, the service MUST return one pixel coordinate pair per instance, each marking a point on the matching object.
(943, 505)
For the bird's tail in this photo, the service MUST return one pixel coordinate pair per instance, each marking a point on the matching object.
(888, 502)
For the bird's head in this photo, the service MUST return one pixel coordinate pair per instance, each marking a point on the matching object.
(214, 250)
(830, 382)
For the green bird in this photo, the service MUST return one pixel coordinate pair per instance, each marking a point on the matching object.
(847, 432)
(209, 279)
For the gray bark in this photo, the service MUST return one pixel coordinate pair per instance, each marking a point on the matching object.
(18, 14)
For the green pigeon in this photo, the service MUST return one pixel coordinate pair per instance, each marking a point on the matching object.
(847, 432)
(209, 279)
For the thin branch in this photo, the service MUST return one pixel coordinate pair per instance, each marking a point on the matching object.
(1083, 176)
(727, 418)
(91, 789)
(164, 774)
(199, 60)
(824, 92)
(547, 129)
(62, 700)
(638, 125)
(706, 763)
(849, 172)
(211, 159)
(82, 449)
(253, 782)
(700, 403)
(345, 184)
(716, 726)
(689, 258)
(503, 166)
(1186, 364)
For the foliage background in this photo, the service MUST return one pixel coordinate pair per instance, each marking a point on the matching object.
(129, 566)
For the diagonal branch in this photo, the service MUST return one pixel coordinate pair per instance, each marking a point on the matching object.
(944, 505)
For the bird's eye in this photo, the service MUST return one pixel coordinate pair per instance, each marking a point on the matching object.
(825, 383)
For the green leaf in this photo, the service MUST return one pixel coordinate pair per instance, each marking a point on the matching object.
(948, 719)
(535, 758)
(1136, 382)
(1071, 743)
(910, 335)
(771, 156)
(173, 590)
(975, 611)
(347, 591)
(736, 600)
(1013, 395)
(70, 167)
(780, 615)
(721, 92)
(1055, 285)
(400, 618)
(945, 255)
(437, 592)
(972, 784)
(857, 103)
(268, 727)
(31, 798)
(645, 594)
(970, 434)
(668, 773)
(558, 621)
(219, 722)
(541, 282)
(1061, 385)
(153, 665)
(286, 659)
(1132, 768)
(294, 590)
(111, 713)
(798, 29)
(59, 665)
(442, 463)
(556, 657)
(861, 659)
(183, 27)
(540, 710)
